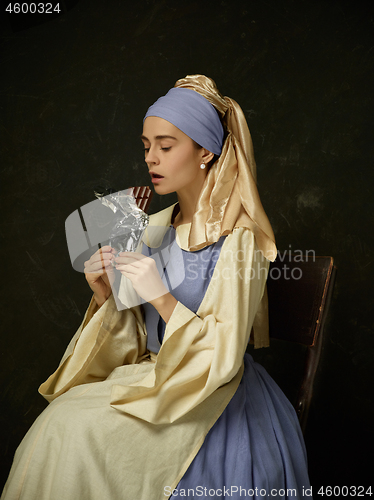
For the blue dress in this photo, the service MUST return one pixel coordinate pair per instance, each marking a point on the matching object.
(256, 447)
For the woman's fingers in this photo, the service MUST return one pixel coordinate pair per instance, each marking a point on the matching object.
(143, 273)
(134, 266)
(132, 258)
(100, 256)
(132, 255)
(98, 263)
(106, 248)
(98, 267)
(99, 273)
(100, 260)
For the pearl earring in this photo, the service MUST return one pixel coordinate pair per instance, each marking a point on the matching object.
(202, 166)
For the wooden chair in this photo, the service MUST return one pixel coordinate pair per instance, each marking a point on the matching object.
(300, 290)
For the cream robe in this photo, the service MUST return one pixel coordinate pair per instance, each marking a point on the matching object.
(134, 418)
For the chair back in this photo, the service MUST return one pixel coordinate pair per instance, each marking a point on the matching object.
(299, 290)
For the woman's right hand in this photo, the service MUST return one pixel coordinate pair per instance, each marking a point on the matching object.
(99, 273)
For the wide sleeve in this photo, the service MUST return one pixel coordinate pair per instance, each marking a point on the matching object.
(106, 339)
(204, 351)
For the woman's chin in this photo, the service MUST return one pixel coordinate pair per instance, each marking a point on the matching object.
(159, 189)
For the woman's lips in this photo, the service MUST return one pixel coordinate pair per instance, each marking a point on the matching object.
(156, 177)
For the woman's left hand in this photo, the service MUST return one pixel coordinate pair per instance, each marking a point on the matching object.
(143, 274)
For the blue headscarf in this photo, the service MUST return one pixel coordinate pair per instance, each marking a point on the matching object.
(192, 114)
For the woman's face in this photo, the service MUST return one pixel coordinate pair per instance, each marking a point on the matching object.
(172, 158)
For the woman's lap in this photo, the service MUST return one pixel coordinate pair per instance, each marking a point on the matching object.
(82, 447)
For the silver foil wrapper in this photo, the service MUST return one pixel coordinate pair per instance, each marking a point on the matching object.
(130, 221)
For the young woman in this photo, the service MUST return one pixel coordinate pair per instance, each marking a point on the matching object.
(161, 399)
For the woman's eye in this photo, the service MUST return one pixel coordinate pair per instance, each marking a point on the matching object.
(146, 150)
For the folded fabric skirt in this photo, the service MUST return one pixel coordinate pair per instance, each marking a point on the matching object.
(80, 448)
(255, 448)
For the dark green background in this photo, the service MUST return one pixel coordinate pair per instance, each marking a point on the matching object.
(72, 97)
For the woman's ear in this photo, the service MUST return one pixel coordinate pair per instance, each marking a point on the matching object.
(207, 156)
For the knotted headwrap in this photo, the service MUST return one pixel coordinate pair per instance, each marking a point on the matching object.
(193, 115)
(229, 196)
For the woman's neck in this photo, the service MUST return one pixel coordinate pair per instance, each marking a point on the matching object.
(187, 206)
(187, 200)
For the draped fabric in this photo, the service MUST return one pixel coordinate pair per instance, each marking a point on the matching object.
(257, 441)
(123, 423)
(197, 352)
(229, 197)
(153, 238)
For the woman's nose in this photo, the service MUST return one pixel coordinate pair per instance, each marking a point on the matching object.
(151, 156)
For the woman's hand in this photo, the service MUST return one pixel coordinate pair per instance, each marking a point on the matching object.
(99, 273)
(145, 278)
(143, 274)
